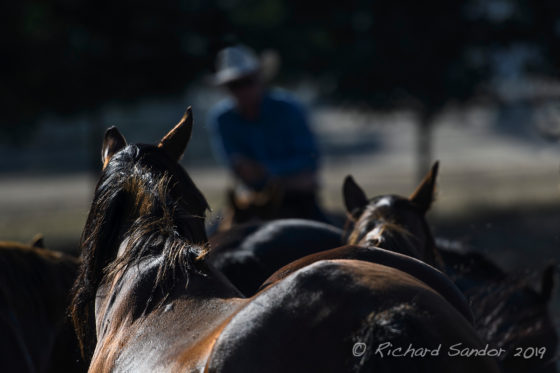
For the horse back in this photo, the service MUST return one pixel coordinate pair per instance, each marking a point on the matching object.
(171, 334)
(311, 320)
(416, 268)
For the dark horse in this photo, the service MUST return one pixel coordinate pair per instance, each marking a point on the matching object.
(509, 312)
(247, 254)
(36, 334)
(393, 222)
(146, 299)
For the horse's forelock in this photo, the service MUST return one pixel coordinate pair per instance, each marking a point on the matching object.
(390, 233)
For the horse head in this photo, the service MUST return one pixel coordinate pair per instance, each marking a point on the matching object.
(145, 206)
(393, 222)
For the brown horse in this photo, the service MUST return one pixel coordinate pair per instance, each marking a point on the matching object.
(393, 222)
(37, 335)
(146, 299)
(307, 322)
(508, 313)
(248, 254)
(429, 275)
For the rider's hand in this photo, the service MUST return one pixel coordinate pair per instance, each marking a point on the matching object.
(249, 171)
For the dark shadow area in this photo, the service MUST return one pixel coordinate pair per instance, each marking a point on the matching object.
(517, 237)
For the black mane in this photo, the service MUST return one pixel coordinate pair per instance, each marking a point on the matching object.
(148, 198)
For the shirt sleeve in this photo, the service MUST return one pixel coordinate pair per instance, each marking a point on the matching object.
(303, 153)
(224, 144)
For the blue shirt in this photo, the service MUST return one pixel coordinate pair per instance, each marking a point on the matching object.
(279, 139)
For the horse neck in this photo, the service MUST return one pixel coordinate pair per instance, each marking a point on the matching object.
(126, 295)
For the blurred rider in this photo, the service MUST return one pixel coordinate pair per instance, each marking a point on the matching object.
(263, 135)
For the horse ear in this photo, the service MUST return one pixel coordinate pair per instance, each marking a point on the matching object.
(547, 282)
(112, 143)
(176, 140)
(354, 197)
(38, 241)
(423, 196)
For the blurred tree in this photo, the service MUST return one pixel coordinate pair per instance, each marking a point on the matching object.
(389, 54)
(66, 56)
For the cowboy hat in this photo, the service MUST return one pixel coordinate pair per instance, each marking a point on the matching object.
(238, 61)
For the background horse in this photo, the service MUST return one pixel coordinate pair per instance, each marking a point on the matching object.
(146, 299)
(393, 222)
(248, 254)
(509, 312)
(37, 335)
(523, 318)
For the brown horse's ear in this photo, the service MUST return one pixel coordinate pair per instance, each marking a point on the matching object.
(176, 140)
(38, 241)
(423, 196)
(112, 143)
(354, 197)
(547, 282)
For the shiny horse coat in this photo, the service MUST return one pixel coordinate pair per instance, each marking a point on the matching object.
(145, 299)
